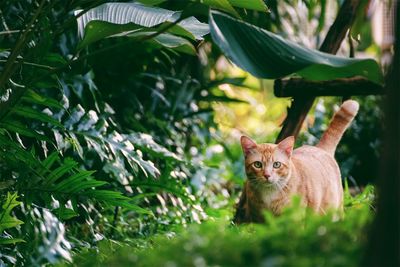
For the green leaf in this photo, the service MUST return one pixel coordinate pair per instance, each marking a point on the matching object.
(97, 30)
(6, 220)
(120, 19)
(267, 55)
(175, 42)
(167, 40)
(117, 199)
(258, 5)
(147, 144)
(8, 241)
(17, 127)
(67, 185)
(49, 161)
(29, 112)
(56, 174)
(65, 213)
(227, 5)
(32, 97)
(223, 5)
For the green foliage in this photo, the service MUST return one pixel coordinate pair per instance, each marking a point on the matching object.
(109, 136)
(296, 238)
(136, 20)
(6, 219)
(228, 5)
(266, 55)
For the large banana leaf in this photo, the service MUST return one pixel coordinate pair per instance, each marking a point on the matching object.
(121, 19)
(267, 55)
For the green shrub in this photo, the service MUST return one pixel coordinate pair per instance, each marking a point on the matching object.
(298, 237)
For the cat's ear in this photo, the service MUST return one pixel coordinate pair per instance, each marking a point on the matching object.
(247, 144)
(286, 145)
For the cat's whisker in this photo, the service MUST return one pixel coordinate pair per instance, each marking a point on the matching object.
(308, 171)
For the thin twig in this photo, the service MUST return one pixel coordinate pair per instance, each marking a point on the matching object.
(9, 32)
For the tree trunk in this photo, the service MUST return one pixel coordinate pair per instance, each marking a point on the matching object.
(337, 32)
(384, 239)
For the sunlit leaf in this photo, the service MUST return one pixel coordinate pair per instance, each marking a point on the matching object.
(119, 19)
(6, 219)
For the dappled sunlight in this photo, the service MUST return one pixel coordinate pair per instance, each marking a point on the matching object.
(262, 114)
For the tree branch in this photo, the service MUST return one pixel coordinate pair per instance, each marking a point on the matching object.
(337, 32)
(298, 88)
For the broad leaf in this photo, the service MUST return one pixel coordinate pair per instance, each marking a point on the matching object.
(122, 18)
(267, 55)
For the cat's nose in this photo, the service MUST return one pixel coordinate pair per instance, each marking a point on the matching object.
(267, 175)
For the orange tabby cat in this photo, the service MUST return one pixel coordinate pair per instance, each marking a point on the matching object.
(276, 172)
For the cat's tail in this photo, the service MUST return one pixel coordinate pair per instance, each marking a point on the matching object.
(341, 120)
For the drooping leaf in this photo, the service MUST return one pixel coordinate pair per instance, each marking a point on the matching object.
(267, 55)
(121, 19)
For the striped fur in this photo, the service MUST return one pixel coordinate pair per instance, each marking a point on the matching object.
(308, 171)
(341, 120)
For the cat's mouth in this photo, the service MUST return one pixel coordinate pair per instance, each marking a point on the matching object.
(263, 182)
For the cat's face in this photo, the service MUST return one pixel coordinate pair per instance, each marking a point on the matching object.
(267, 165)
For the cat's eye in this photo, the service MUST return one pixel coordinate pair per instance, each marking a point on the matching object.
(257, 164)
(276, 164)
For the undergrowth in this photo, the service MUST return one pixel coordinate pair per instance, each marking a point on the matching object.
(298, 237)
